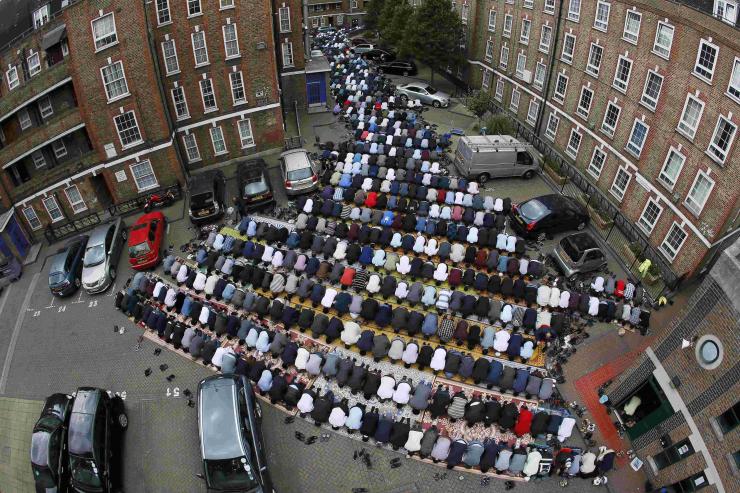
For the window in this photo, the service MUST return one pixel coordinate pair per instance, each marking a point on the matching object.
(499, 94)
(574, 10)
(114, 81)
(287, 54)
(651, 91)
(191, 147)
(632, 26)
(595, 55)
(528, 4)
(486, 79)
(217, 138)
(569, 46)
(180, 102)
(706, 59)
(674, 453)
(673, 241)
(237, 88)
(104, 32)
(464, 13)
(55, 213)
(171, 65)
(574, 143)
(552, 126)
(724, 134)
(726, 10)
(75, 199)
(649, 216)
(699, 193)
(622, 74)
(227, 4)
(619, 185)
(539, 75)
(671, 168)
(534, 107)
(601, 21)
(12, 76)
(561, 85)
(144, 176)
(637, 138)
(663, 40)
(32, 218)
(128, 129)
(504, 59)
(549, 7)
(284, 15)
(45, 107)
(315, 22)
(245, 133)
(521, 65)
(231, 42)
(39, 161)
(584, 102)
(692, 111)
(508, 21)
(163, 12)
(59, 148)
(206, 93)
(489, 50)
(41, 16)
(194, 8)
(24, 118)
(200, 50)
(545, 38)
(34, 64)
(354, 4)
(524, 33)
(514, 104)
(733, 88)
(492, 20)
(597, 163)
(729, 419)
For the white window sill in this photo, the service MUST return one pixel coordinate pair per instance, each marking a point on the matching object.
(571, 154)
(220, 153)
(192, 16)
(688, 136)
(551, 12)
(623, 91)
(286, 32)
(659, 54)
(183, 118)
(616, 196)
(551, 138)
(524, 42)
(488, 59)
(491, 30)
(103, 48)
(632, 152)
(35, 73)
(599, 28)
(169, 74)
(147, 188)
(190, 161)
(506, 35)
(249, 146)
(567, 62)
(593, 175)
(228, 7)
(537, 86)
(289, 66)
(645, 229)
(233, 57)
(118, 98)
(701, 77)
(164, 24)
(630, 41)
(200, 65)
(733, 97)
(607, 132)
(646, 105)
(714, 158)
(557, 100)
(595, 75)
(133, 144)
(544, 50)
(577, 20)
(692, 209)
(210, 110)
(81, 210)
(666, 186)
(240, 103)
(57, 220)
(584, 117)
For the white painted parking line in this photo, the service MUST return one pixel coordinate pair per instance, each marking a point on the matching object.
(5, 298)
(51, 305)
(113, 289)
(79, 299)
(16, 331)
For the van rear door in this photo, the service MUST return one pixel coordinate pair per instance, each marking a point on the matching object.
(463, 158)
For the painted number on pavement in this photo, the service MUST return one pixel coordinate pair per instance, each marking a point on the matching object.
(173, 392)
(62, 308)
(122, 395)
(93, 303)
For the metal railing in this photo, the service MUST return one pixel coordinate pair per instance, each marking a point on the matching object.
(73, 227)
(138, 202)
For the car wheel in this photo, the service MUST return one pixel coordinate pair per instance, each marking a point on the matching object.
(123, 421)
(77, 282)
(436, 104)
(483, 178)
(529, 174)
(112, 273)
(581, 226)
(405, 73)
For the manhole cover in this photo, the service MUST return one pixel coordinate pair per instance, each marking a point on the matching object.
(5, 455)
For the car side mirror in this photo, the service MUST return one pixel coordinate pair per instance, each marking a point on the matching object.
(200, 475)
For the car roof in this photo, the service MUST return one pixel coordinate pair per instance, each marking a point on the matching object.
(250, 165)
(86, 400)
(219, 418)
(295, 159)
(582, 241)
(149, 217)
(140, 235)
(203, 182)
(58, 261)
(97, 236)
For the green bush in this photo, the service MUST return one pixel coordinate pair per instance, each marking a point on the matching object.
(553, 165)
(499, 125)
(478, 103)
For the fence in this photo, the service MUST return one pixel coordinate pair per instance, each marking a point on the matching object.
(78, 225)
(138, 202)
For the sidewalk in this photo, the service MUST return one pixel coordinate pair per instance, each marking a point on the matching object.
(18, 418)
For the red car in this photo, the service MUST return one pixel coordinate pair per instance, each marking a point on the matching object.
(145, 241)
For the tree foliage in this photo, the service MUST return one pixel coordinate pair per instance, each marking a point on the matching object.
(394, 25)
(374, 11)
(479, 103)
(434, 35)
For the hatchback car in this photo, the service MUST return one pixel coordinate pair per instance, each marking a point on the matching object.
(10, 270)
(207, 196)
(49, 445)
(548, 214)
(254, 185)
(361, 48)
(145, 241)
(95, 432)
(578, 253)
(66, 267)
(398, 68)
(101, 256)
(424, 93)
(231, 442)
(300, 172)
(379, 55)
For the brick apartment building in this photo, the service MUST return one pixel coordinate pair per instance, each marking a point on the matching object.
(642, 96)
(683, 393)
(105, 100)
(337, 13)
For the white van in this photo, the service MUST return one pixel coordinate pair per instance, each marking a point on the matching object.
(482, 157)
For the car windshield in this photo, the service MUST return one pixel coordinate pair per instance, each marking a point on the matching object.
(431, 90)
(84, 472)
(80, 434)
(533, 210)
(56, 277)
(40, 448)
(571, 250)
(94, 255)
(138, 250)
(231, 474)
(254, 183)
(300, 174)
(201, 200)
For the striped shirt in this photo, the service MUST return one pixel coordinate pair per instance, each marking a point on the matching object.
(360, 281)
(446, 329)
(457, 407)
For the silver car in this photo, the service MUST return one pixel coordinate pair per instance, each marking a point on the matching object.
(300, 173)
(578, 253)
(424, 93)
(362, 48)
(101, 256)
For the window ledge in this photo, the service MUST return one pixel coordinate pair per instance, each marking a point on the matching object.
(249, 146)
(98, 50)
(567, 62)
(733, 97)
(228, 7)
(210, 110)
(545, 51)
(715, 158)
(659, 54)
(651, 108)
(619, 199)
(191, 161)
(201, 65)
(594, 75)
(524, 42)
(241, 103)
(164, 24)
(701, 77)
(623, 91)
(630, 41)
(683, 132)
(131, 145)
(601, 29)
(172, 73)
(118, 98)
(220, 153)
(183, 118)
(233, 57)
(691, 209)
(192, 16)
(632, 152)
(286, 32)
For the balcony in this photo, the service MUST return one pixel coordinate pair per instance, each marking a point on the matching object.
(31, 90)
(51, 176)
(32, 138)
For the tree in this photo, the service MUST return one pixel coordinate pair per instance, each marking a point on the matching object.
(434, 35)
(479, 103)
(372, 16)
(394, 25)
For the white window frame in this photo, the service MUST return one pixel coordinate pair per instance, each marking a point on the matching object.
(59, 152)
(669, 250)
(486, 81)
(503, 60)
(51, 204)
(557, 96)
(646, 99)
(287, 54)
(515, 98)
(489, 50)
(525, 32)
(508, 21)
(567, 56)
(663, 51)
(714, 148)
(200, 35)
(545, 47)
(217, 135)
(464, 13)
(39, 160)
(45, 107)
(635, 148)
(616, 82)
(632, 37)
(136, 125)
(574, 10)
(534, 107)
(733, 86)
(191, 147)
(167, 59)
(164, 16)
(709, 75)
(602, 24)
(34, 64)
(97, 40)
(596, 164)
(521, 65)
(246, 135)
(614, 189)
(549, 7)
(571, 150)
(693, 205)
(24, 118)
(41, 16)
(540, 73)
(12, 78)
(499, 93)
(32, 218)
(551, 131)
(112, 66)
(643, 222)
(684, 127)
(139, 165)
(234, 41)
(580, 109)
(208, 83)
(663, 177)
(78, 205)
(226, 4)
(192, 12)
(721, 11)
(240, 82)
(492, 20)
(284, 19)
(591, 69)
(184, 112)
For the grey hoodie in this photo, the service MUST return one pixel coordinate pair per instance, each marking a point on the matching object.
(420, 397)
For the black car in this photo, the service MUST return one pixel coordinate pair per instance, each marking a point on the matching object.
(548, 214)
(359, 41)
(49, 445)
(66, 267)
(398, 68)
(95, 432)
(207, 196)
(379, 55)
(254, 184)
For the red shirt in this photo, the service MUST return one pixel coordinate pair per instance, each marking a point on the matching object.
(524, 422)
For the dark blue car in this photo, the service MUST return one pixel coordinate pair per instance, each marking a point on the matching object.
(66, 267)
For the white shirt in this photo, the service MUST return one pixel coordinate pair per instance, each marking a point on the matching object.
(157, 288)
(200, 281)
(554, 297)
(305, 403)
(501, 241)
(593, 306)
(401, 395)
(218, 356)
(543, 295)
(438, 360)
(182, 274)
(203, 317)
(170, 298)
(387, 387)
(337, 418)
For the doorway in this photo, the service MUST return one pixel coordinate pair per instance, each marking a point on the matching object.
(18, 237)
(100, 187)
(316, 89)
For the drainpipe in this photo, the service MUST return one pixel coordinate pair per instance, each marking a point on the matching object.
(306, 31)
(551, 71)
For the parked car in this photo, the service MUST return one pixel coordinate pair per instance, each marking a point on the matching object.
(66, 267)
(300, 172)
(102, 255)
(361, 48)
(95, 434)
(482, 157)
(398, 68)
(379, 55)
(548, 214)
(10, 271)
(424, 93)
(316, 53)
(231, 442)
(254, 184)
(359, 41)
(49, 445)
(145, 241)
(207, 196)
(578, 253)
(326, 29)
